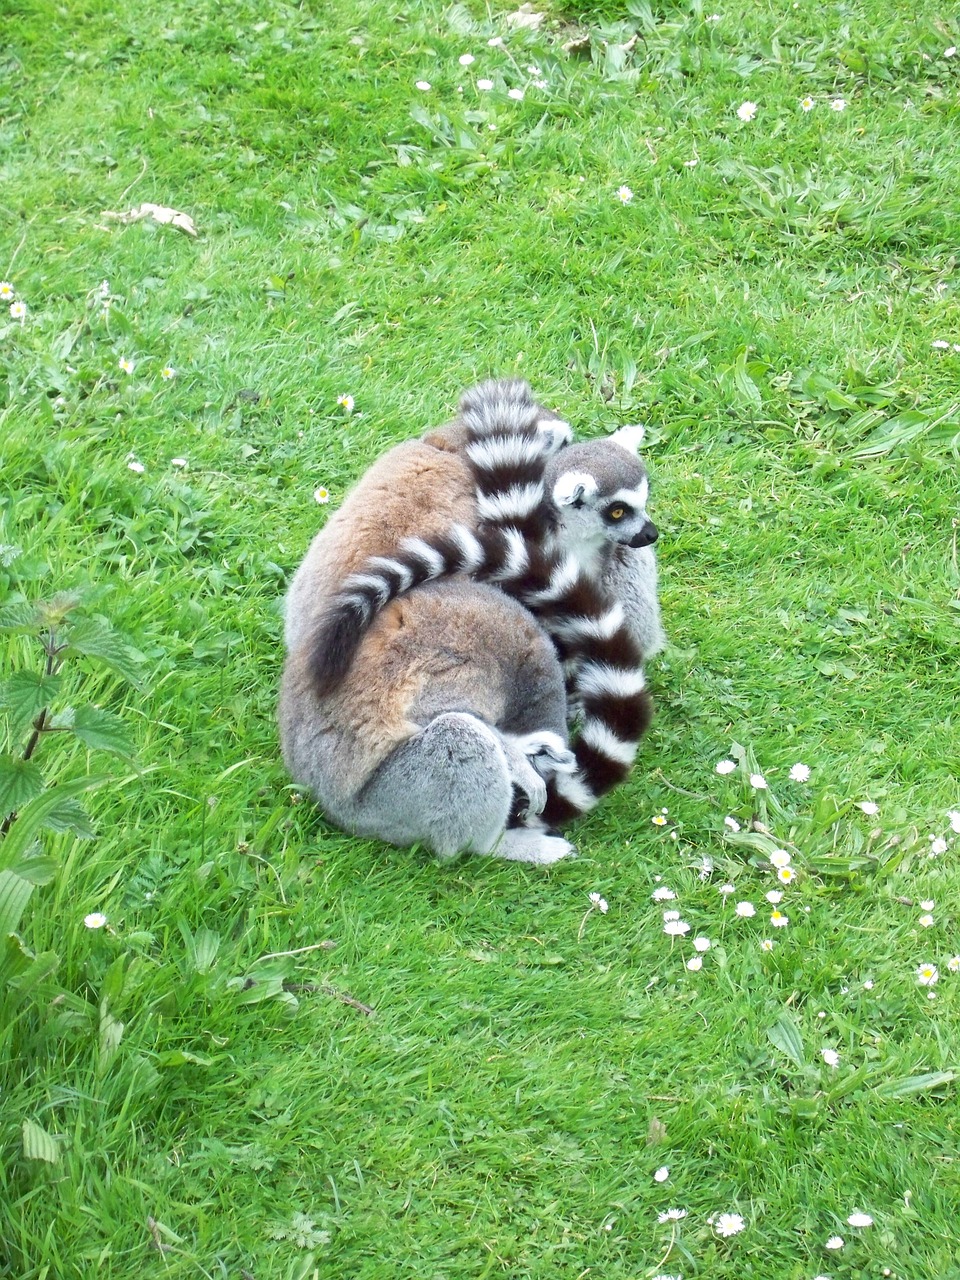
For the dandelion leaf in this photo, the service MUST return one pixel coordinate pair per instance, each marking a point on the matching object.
(38, 1144)
(785, 1036)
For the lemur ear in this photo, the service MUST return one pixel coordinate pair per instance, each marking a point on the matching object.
(629, 438)
(574, 488)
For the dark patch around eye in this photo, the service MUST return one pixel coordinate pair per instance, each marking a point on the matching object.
(616, 512)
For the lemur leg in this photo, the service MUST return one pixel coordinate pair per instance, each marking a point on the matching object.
(450, 788)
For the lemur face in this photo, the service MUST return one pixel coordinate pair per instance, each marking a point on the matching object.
(600, 489)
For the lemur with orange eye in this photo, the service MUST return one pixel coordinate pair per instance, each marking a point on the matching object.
(419, 725)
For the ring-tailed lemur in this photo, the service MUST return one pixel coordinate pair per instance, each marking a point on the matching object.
(454, 703)
(550, 540)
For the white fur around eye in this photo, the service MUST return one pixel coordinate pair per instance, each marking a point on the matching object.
(629, 438)
(574, 485)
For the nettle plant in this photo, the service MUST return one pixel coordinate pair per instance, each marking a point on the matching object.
(48, 723)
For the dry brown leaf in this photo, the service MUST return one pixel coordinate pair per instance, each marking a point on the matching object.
(158, 212)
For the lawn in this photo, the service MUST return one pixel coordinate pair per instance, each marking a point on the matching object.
(235, 1042)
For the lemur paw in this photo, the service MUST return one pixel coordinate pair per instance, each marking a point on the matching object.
(548, 753)
(556, 432)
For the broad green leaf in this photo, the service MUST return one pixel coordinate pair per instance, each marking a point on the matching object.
(33, 816)
(35, 870)
(14, 895)
(20, 782)
(70, 815)
(102, 731)
(24, 695)
(910, 1085)
(206, 944)
(20, 615)
(54, 611)
(785, 1036)
(96, 638)
(15, 959)
(38, 1144)
(40, 968)
(181, 1058)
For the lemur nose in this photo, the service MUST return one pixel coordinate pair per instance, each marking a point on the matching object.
(646, 537)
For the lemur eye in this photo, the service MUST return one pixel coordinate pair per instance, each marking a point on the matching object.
(616, 513)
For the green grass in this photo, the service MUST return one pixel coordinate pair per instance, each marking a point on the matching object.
(213, 1105)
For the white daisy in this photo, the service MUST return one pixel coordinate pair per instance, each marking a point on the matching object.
(695, 963)
(179, 463)
(701, 944)
(138, 467)
(786, 875)
(747, 110)
(624, 194)
(830, 1057)
(729, 1224)
(663, 894)
(807, 104)
(835, 1242)
(726, 766)
(662, 1174)
(779, 920)
(600, 903)
(838, 104)
(937, 845)
(925, 921)
(800, 773)
(127, 366)
(927, 975)
(466, 59)
(746, 909)
(953, 964)
(18, 310)
(774, 896)
(321, 495)
(676, 928)
(423, 85)
(167, 373)
(780, 858)
(484, 85)
(954, 819)
(672, 1215)
(767, 944)
(860, 1220)
(726, 889)
(732, 823)
(345, 402)
(869, 808)
(515, 94)
(95, 920)
(758, 782)
(7, 291)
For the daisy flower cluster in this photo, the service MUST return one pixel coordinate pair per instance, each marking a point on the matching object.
(17, 307)
(771, 857)
(747, 111)
(530, 75)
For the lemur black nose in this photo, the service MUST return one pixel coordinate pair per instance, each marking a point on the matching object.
(646, 537)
